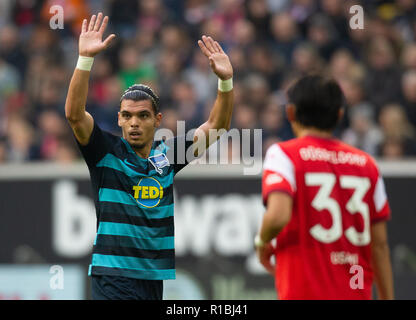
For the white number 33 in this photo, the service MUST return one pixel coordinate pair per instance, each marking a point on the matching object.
(322, 201)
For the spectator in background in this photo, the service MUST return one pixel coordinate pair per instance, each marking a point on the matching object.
(383, 75)
(132, 68)
(5, 10)
(216, 29)
(99, 75)
(35, 75)
(186, 104)
(173, 38)
(322, 34)
(26, 13)
(123, 17)
(52, 130)
(245, 117)
(270, 43)
(168, 71)
(363, 132)
(106, 104)
(397, 129)
(380, 26)
(259, 15)
(354, 94)
(358, 41)
(21, 144)
(11, 50)
(263, 61)
(285, 35)
(65, 153)
(147, 44)
(392, 149)
(152, 14)
(256, 90)
(199, 75)
(49, 99)
(276, 6)
(306, 60)
(238, 58)
(227, 14)
(196, 11)
(408, 57)
(9, 80)
(405, 19)
(44, 41)
(243, 34)
(300, 10)
(170, 120)
(408, 84)
(3, 151)
(272, 120)
(343, 65)
(336, 11)
(9, 85)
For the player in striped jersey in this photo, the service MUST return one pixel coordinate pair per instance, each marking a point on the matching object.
(132, 176)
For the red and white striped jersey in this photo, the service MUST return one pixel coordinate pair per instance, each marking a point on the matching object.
(338, 193)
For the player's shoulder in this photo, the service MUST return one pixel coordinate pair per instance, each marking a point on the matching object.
(369, 160)
(100, 138)
(110, 141)
(281, 153)
(286, 146)
(351, 155)
(104, 132)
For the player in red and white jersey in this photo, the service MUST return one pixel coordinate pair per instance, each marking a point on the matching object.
(326, 204)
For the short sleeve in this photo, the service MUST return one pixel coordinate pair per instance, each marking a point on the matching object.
(381, 204)
(98, 146)
(278, 173)
(179, 152)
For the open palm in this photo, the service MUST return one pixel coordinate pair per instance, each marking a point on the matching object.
(90, 40)
(218, 60)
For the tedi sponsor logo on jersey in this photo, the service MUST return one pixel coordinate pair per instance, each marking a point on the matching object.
(148, 192)
(159, 161)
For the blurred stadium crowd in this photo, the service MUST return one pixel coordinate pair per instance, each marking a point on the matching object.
(270, 43)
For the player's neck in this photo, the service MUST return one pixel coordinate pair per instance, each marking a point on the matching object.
(144, 151)
(303, 132)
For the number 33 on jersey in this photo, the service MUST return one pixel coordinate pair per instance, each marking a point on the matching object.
(333, 183)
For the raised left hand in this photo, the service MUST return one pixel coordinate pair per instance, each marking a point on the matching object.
(218, 60)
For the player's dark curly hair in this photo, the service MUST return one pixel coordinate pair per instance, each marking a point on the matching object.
(139, 92)
(317, 100)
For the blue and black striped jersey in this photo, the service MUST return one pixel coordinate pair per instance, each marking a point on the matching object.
(134, 205)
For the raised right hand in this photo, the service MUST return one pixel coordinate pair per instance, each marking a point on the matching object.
(90, 40)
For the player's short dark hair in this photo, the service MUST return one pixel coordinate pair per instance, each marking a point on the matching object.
(317, 100)
(139, 92)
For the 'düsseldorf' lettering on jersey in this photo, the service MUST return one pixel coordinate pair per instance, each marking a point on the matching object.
(334, 157)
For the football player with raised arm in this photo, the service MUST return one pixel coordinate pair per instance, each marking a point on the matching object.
(132, 175)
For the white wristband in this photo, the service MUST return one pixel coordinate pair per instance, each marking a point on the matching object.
(225, 85)
(258, 243)
(85, 63)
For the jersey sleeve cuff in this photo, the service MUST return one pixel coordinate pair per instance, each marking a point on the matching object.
(383, 215)
(275, 189)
